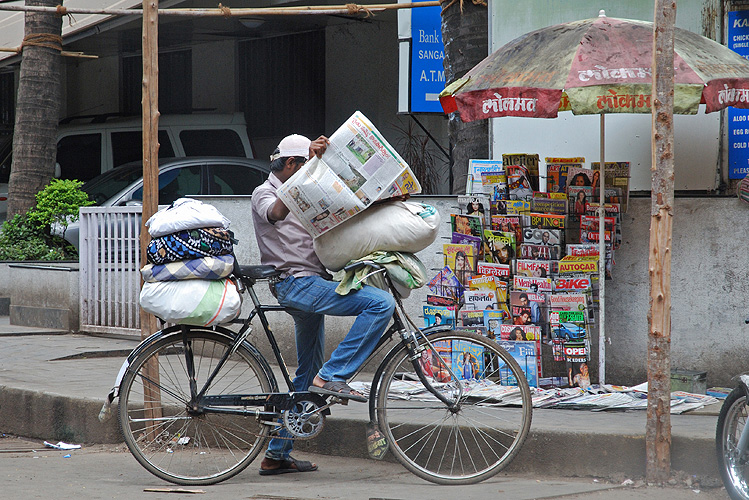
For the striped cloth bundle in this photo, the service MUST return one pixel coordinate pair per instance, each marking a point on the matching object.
(187, 278)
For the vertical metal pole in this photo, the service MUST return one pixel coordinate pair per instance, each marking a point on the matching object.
(602, 258)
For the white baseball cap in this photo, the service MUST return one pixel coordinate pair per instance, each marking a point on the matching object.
(292, 145)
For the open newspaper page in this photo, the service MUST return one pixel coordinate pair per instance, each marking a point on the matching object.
(358, 168)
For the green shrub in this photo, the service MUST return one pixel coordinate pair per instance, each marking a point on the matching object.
(28, 237)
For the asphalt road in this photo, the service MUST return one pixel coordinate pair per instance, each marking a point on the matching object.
(29, 470)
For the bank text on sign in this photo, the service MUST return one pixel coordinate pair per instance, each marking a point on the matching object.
(427, 54)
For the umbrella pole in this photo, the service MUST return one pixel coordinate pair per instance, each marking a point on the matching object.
(602, 259)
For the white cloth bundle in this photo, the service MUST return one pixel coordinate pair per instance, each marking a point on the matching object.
(185, 214)
(391, 227)
(192, 302)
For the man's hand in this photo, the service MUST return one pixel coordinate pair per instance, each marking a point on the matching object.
(318, 146)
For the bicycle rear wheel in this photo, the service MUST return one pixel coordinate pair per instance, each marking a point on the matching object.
(732, 462)
(474, 440)
(173, 441)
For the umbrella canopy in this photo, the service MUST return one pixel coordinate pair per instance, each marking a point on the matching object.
(596, 66)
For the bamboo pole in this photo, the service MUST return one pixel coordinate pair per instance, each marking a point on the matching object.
(224, 11)
(150, 105)
(64, 53)
(602, 255)
(658, 427)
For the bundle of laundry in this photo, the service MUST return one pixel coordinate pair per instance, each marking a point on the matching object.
(190, 260)
(389, 227)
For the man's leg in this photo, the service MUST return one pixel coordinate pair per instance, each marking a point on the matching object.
(310, 341)
(372, 306)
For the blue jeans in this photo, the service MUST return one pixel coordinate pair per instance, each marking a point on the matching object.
(311, 298)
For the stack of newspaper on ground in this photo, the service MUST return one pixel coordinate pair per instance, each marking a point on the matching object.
(595, 398)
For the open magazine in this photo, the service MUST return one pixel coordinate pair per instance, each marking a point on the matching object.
(358, 168)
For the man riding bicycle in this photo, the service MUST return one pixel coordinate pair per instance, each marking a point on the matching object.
(306, 289)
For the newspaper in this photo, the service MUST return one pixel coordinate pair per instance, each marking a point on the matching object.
(358, 168)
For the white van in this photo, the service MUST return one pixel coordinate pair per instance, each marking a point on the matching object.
(91, 145)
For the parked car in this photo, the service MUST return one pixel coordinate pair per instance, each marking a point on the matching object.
(177, 177)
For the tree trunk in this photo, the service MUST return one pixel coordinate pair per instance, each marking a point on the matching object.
(466, 44)
(658, 427)
(37, 109)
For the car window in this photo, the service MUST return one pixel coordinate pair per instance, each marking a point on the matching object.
(223, 142)
(174, 184)
(105, 186)
(128, 146)
(79, 156)
(235, 179)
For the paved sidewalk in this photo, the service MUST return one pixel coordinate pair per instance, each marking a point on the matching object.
(53, 384)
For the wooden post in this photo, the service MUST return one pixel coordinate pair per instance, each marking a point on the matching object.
(658, 427)
(148, 322)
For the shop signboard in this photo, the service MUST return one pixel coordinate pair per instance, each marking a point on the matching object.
(427, 55)
(738, 119)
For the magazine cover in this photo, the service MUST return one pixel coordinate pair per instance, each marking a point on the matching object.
(470, 317)
(493, 321)
(439, 366)
(535, 236)
(439, 315)
(493, 269)
(481, 282)
(479, 299)
(477, 204)
(532, 284)
(508, 224)
(525, 354)
(475, 168)
(467, 360)
(556, 172)
(499, 248)
(547, 221)
(460, 259)
(578, 375)
(536, 302)
(568, 302)
(574, 264)
(468, 239)
(536, 268)
(440, 300)
(446, 284)
(518, 207)
(568, 330)
(494, 185)
(575, 283)
(583, 249)
(580, 196)
(576, 352)
(547, 204)
(519, 185)
(467, 224)
(540, 252)
(530, 162)
(616, 175)
(582, 177)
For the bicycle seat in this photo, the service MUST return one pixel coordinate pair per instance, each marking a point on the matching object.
(259, 272)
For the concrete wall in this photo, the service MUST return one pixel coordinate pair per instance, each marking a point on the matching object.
(709, 287)
(44, 295)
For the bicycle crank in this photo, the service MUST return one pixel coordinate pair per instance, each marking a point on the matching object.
(305, 419)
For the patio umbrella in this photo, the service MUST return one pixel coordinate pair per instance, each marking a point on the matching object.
(599, 65)
(596, 66)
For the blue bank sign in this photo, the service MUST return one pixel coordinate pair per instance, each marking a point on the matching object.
(427, 54)
(738, 119)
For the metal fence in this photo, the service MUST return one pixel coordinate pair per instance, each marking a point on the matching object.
(109, 271)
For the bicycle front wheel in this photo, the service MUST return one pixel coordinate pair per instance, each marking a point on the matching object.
(180, 442)
(733, 462)
(476, 437)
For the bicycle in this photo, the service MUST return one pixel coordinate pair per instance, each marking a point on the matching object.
(197, 404)
(732, 440)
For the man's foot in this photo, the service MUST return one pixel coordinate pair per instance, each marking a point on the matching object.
(336, 388)
(271, 467)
